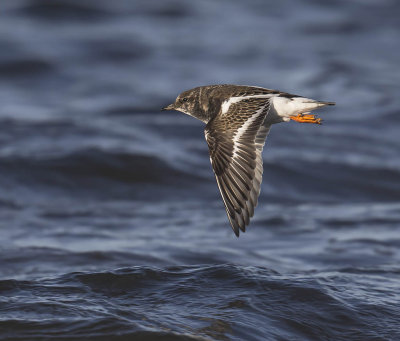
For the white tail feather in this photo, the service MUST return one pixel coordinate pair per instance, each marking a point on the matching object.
(286, 107)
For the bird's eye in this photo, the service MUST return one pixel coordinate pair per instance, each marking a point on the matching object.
(184, 99)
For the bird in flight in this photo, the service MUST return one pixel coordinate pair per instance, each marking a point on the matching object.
(238, 119)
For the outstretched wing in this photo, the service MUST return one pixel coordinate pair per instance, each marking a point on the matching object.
(235, 139)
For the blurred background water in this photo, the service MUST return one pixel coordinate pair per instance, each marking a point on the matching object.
(112, 227)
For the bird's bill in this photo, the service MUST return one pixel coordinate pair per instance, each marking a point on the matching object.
(169, 107)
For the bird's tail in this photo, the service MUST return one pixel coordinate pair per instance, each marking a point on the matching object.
(287, 107)
(305, 105)
(322, 103)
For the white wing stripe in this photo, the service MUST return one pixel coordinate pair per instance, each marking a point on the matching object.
(226, 104)
(239, 133)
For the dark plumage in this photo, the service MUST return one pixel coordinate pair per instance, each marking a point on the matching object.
(238, 119)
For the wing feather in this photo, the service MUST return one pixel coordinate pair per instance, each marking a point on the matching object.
(236, 139)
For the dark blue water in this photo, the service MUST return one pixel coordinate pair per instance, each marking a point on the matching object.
(112, 227)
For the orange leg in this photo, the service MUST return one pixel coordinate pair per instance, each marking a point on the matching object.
(306, 118)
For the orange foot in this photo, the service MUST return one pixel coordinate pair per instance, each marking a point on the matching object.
(305, 118)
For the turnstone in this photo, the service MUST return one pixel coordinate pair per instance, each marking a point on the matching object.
(238, 119)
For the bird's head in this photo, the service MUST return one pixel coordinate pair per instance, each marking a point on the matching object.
(185, 102)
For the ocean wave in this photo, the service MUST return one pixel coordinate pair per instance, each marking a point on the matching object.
(329, 180)
(60, 10)
(95, 169)
(123, 302)
(25, 68)
(91, 167)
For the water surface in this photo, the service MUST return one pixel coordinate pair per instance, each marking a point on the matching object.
(112, 227)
